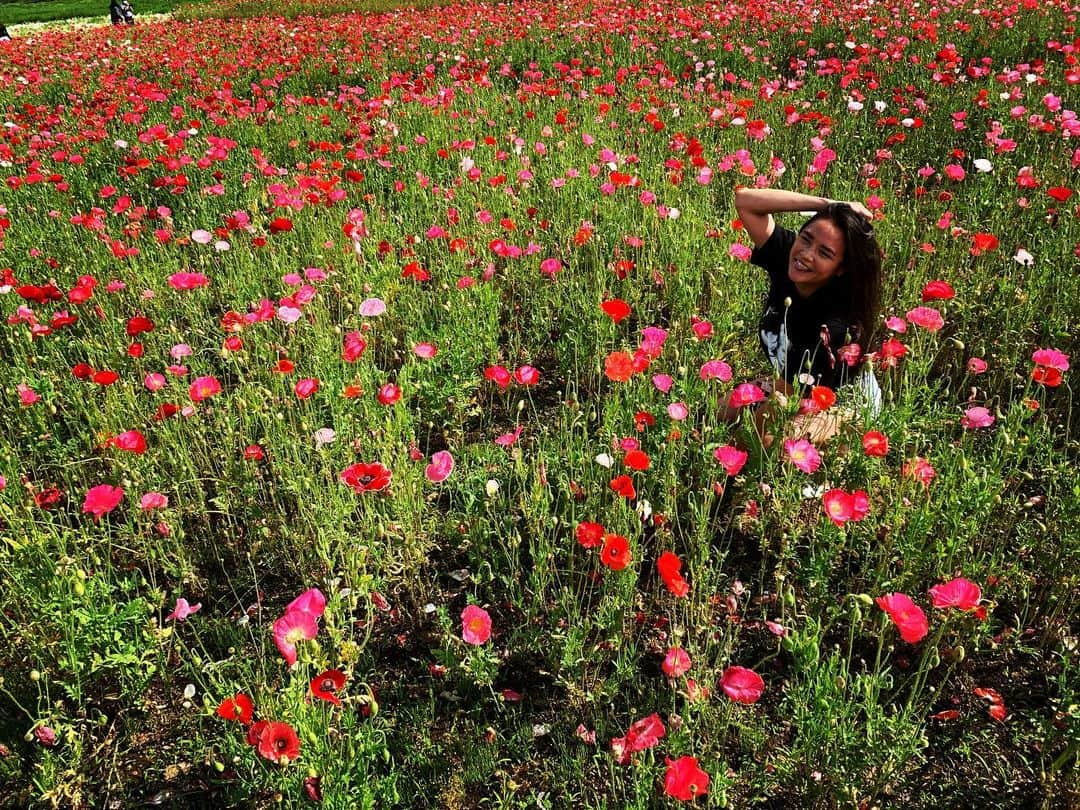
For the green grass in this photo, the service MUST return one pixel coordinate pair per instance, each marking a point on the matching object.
(16, 12)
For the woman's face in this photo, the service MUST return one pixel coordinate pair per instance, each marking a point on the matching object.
(816, 257)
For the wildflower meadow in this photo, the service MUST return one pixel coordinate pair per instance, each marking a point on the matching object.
(363, 376)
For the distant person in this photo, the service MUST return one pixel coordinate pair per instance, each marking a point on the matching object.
(121, 12)
(4, 35)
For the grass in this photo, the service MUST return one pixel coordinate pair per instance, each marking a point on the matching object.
(17, 12)
(223, 206)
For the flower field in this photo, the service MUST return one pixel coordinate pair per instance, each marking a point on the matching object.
(362, 378)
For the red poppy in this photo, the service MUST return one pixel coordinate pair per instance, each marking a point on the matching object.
(366, 477)
(326, 685)
(203, 387)
(684, 780)
(669, 567)
(983, 242)
(616, 309)
(388, 394)
(875, 443)
(624, 487)
(619, 367)
(281, 225)
(636, 460)
(938, 291)
(139, 324)
(105, 377)
(238, 707)
(616, 552)
(589, 535)
(1060, 193)
(278, 742)
(498, 375)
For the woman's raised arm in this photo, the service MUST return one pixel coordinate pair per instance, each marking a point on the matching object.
(756, 206)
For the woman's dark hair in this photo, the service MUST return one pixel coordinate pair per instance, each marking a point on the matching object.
(861, 265)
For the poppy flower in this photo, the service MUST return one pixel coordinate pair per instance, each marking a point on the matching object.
(803, 455)
(715, 370)
(937, 291)
(238, 707)
(310, 601)
(669, 566)
(589, 535)
(926, 317)
(102, 499)
(325, 685)
(619, 367)
(731, 458)
(353, 347)
(624, 487)
(841, 507)
(306, 387)
(920, 469)
(183, 609)
(203, 388)
(997, 709)
(959, 593)
(278, 743)
(875, 444)
(745, 394)
(366, 477)
(684, 780)
(636, 460)
(616, 552)
(977, 417)
(676, 662)
(498, 375)
(475, 625)
(442, 464)
(294, 626)
(526, 375)
(906, 615)
(742, 685)
(616, 309)
(643, 734)
(388, 394)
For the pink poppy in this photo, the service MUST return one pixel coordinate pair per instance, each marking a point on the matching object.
(306, 387)
(678, 411)
(926, 317)
(742, 685)
(498, 375)
(353, 348)
(188, 281)
(976, 365)
(920, 469)
(643, 734)
(731, 458)
(183, 610)
(475, 625)
(388, 394)
(153, 500)
(841, 506)
(746, 394)
(102, 499)
(425, 351)
(803, 455)
(442, 464)
(372, 307)
(676, 662)
(293, 627)
(959, 593)
(203, 388)
(977, 417)
(1051, 358)
(715, 370)
(310, 601)
(526, 375)
(906, 615)
(662, 382)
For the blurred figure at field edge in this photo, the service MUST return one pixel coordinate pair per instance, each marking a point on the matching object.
(121, 12)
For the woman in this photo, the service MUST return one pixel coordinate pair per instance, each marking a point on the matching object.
(824, 291)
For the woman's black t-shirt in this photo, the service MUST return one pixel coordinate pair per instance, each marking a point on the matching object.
(802, 341)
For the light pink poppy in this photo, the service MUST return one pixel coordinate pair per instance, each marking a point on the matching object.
(662, 382)
(926, 317)
(715, 370)
(678, 411)
(803, 455)
(183, 610)
(372, 307)
(676, 662)
(977, 417)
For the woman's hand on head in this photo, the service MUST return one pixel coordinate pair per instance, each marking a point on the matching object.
(861, 209)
